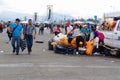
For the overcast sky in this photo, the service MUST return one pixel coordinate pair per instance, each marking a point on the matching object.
(75, 8)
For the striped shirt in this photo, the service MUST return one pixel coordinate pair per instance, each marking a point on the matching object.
(29, 29)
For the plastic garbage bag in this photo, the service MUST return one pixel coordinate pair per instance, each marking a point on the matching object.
(23, 44)
(89, 47)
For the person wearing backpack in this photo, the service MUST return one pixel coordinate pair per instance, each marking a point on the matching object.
(16, 29)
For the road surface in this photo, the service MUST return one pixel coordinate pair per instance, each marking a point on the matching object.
(43, 64)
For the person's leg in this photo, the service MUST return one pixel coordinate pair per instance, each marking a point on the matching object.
(13, 44)
(0, 30)
(51, 30)
(18, 45)
(28, 43)
(39, 31)
(97, 49)
(77, 43)
(9, 37)
(42, 32)
(101, 48)
(31, 42)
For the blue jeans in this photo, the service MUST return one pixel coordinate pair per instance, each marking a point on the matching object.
(29, 40)
(16, 43)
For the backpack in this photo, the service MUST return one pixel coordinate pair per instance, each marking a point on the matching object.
(101, 36)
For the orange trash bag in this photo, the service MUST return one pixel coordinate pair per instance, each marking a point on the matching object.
(89, 47)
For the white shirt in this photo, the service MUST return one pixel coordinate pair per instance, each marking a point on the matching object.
(69, 29)
(76, 32)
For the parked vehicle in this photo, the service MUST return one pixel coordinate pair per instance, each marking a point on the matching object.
(112, 40)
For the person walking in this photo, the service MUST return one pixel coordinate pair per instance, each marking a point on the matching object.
(28, 34)
(41, 29)
(16, 30)
(1, 28)
(8, 33)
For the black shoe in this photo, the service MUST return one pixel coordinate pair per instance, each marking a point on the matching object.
(17, 53)
(30, 50)
(14, 51)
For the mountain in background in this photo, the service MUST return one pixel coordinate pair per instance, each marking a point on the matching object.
(11, 16)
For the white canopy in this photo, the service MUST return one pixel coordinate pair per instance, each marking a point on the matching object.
(78, 22)
(25, 22)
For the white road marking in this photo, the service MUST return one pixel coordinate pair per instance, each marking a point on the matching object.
(23, 65)
(71, 66)
(17, 65)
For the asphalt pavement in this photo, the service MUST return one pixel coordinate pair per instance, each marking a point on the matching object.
(43, 64)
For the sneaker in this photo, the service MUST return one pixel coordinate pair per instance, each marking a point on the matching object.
(96, 53)
(77, 53)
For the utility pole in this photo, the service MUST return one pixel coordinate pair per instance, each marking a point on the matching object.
(49, 13)
(35, 17)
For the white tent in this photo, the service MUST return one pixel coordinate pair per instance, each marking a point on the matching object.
(78, 22)
(25, 22)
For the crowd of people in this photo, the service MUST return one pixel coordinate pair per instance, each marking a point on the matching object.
(17, 32)
(82, 33)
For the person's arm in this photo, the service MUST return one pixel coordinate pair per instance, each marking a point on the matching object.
(35, 32)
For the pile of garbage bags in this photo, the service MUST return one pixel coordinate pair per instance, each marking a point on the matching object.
(61, 44)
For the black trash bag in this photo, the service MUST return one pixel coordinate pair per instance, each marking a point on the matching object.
(59, 49)
(63, 49)
(23, 44)
(39, 42)
(50, 47)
